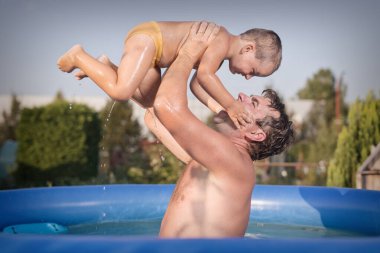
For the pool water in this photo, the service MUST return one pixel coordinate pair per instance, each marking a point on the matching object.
(142, 227)
(254, 230)
(267, 230)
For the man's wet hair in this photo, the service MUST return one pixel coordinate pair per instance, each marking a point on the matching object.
(279, 131)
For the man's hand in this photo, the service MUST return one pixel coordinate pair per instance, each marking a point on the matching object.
(238, 114)
(200, 36)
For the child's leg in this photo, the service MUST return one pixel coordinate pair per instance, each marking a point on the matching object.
(147, 90)
(138, 54)
(103, 59)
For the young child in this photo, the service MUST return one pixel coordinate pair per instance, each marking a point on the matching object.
(151, 46)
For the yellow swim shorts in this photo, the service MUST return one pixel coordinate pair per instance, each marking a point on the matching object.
(152, 30)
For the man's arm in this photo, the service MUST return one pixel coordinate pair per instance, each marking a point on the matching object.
(199, 141)
(156, 127)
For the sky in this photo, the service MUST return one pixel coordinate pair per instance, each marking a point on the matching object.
(341, 35)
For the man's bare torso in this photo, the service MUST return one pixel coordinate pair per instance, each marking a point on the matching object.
(203, 205)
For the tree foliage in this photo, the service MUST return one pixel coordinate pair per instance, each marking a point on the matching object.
(57, 142)
(10, 121)
(355, 141)
(120, 144)
(127, 156)
(320, 89)
(319, 130)
(316, 137)
(165, 167)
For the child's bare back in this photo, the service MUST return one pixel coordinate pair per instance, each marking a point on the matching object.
(173, 35)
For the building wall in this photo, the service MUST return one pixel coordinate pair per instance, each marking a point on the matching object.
(368, 175)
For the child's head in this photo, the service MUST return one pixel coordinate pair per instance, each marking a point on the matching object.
(260, 55)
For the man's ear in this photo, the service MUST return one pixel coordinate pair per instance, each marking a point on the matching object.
(250, 46)
(257, 135)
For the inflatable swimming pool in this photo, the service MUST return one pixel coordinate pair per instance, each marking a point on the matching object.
(26, 212)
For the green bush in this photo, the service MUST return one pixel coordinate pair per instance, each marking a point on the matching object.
(355, 141)
(57, 142)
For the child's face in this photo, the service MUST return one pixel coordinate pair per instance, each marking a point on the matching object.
(246, 64)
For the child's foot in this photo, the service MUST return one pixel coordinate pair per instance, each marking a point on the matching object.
(103, 59)
(66, 61)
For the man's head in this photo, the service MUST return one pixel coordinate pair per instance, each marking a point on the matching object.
(260, 54)
(270, 132)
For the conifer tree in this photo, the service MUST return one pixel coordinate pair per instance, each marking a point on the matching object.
(355, 141)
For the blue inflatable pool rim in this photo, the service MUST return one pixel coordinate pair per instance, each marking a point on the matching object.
(336, 208)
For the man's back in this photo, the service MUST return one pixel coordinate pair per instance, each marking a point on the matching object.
(208, 205)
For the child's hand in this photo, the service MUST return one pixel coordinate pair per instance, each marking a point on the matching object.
(238, 114)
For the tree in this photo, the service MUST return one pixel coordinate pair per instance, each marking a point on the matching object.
(120, 145)
(355, 141)
(317, 137)
(57, 142)
(10, 121)
(165, 167)
(319, 129)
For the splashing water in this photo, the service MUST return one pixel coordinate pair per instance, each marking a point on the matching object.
(103, 165)
(162, 157)
(109, 115)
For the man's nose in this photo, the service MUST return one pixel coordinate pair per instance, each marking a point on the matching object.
(242, 96)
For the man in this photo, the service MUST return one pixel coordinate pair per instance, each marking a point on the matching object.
(213, 196)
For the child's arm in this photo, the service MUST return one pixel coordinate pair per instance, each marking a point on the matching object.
(203, 96)
(211, 83)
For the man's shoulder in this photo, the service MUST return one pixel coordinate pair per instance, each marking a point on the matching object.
(233, 164)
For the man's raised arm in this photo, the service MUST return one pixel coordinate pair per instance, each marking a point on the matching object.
(170, 105)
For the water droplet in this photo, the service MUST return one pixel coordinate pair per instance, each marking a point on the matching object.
(70, 106)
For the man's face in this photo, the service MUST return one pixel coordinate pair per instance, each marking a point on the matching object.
(258, 108)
